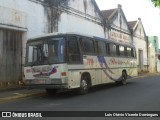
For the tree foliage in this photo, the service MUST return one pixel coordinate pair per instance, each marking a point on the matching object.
(156, 3)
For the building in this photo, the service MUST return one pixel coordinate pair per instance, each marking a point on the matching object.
(154, 40)
(152, 58)
(117, 25)
(140, 43)
(153, 48)
(158, 62)
(119, 29)
(20, 21)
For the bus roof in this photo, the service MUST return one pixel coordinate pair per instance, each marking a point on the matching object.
(56, 34)
(74, 33)
(112, 41)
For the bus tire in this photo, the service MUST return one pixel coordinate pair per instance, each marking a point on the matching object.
(84, 86)
(124, 78)
(51, 91)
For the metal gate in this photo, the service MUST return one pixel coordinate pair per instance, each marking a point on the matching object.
(10, 55)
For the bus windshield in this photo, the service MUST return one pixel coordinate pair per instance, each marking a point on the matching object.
(45, 51)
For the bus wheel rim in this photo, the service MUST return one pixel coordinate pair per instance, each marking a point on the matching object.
(84, 84)
(124, 79)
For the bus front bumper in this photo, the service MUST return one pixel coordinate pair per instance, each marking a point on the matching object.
(47, 83)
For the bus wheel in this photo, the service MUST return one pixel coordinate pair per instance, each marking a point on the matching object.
(83, 86)
(124, 78)
(51, 91)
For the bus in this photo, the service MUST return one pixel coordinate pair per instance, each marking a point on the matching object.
(65, 61)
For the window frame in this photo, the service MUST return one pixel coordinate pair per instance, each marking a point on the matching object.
(82, 46)
(107, 49)
(104, 52)
(123, 55)
(79, 48)
(133, 53)
(115, 52)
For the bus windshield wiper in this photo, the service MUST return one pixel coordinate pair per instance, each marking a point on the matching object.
(35, 61)
(42, 57)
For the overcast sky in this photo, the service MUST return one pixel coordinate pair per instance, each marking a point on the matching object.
(134, 9)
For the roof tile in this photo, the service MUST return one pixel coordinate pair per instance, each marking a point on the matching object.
(107, 13)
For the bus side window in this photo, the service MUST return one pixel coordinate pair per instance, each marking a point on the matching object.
(87, 46)
(121, 50)
(101, 48)
(125, 51)
(73, 50)
(117, 50)
(129, 52)
(112, 48)
(133, 52)
(107, 49)
(81, 44)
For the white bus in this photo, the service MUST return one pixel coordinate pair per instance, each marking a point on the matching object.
(69, 61)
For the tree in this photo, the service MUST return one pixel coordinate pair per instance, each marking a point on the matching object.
(156, 3)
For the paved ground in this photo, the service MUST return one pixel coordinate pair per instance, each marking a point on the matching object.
(16, 92)
(140, 94)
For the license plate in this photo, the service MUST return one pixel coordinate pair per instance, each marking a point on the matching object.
(41, 81)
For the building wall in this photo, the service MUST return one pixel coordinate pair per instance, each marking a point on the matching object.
(158, 62)
(31, 14)
(152, 59)
(82, 17)
(85, 6)
(154, 40)
(141, 45)
(10, 55)
(140, 42)
(71, 23)
(119, 30)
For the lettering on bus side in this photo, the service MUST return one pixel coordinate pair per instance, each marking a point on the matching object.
(113, 61)
(90, 61)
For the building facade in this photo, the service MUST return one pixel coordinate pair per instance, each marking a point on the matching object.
(154, 40)
(140, 43)
(158, 62)
(154, 58)
(117, 25)
(120, 30)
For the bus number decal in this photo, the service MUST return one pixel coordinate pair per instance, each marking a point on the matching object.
(90, 61)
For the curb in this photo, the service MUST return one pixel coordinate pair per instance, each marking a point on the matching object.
(145, 75)
(148, 74)
(8, 99)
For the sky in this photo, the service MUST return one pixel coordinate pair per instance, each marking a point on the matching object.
(134, 9)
